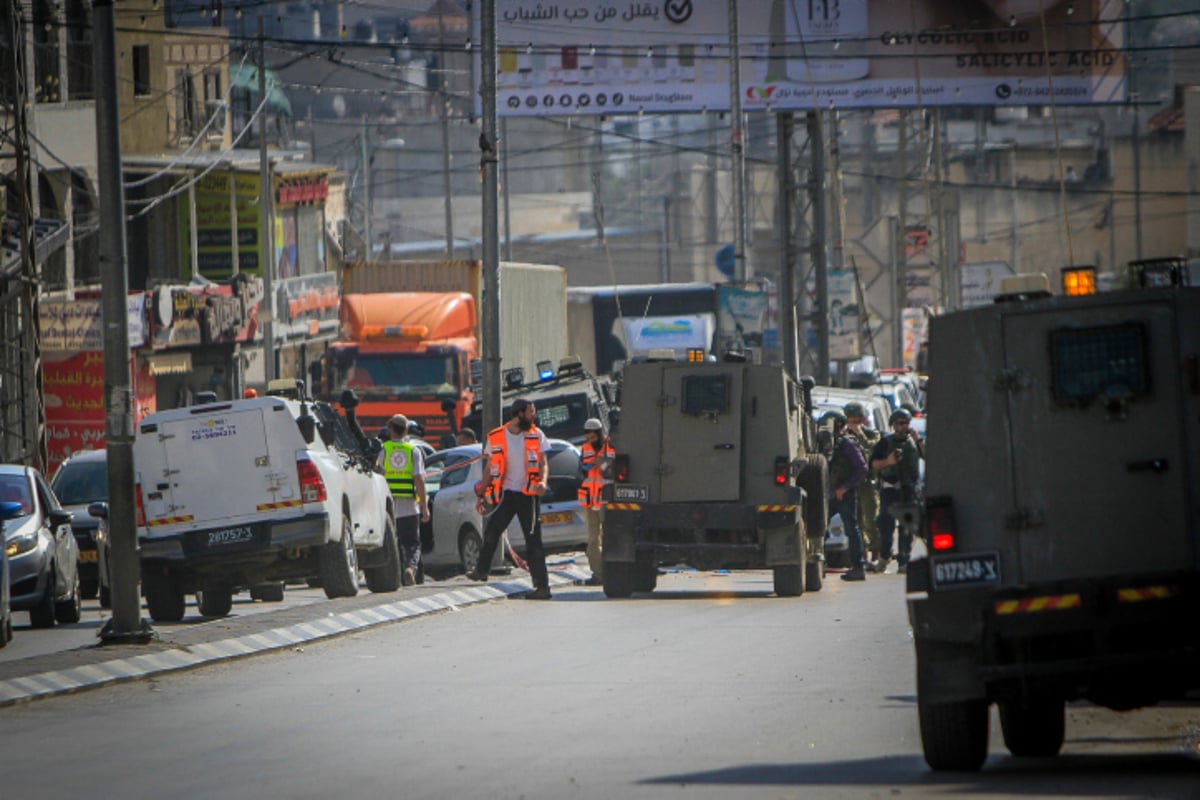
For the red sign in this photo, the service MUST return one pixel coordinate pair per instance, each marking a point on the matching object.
(301, 191)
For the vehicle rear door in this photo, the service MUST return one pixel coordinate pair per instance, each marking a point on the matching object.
(217, 466)
(1098, 467)
(700, 453)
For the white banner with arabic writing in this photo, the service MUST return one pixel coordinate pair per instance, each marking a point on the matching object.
(77, 325)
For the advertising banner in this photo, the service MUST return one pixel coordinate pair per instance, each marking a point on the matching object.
(76, 324)
(673, 55)
(214, 225)
(844, 319)
(185, 316)
(306, 307)
(741, 318)
(678, 333)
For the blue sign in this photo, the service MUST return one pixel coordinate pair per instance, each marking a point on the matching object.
(726, 260)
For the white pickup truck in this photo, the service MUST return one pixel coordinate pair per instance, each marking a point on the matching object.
(235, 494)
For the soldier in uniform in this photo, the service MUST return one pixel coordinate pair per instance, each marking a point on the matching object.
(897, 460)
(847, 471)
(868, 493)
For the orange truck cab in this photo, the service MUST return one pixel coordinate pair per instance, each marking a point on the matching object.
(405, 353)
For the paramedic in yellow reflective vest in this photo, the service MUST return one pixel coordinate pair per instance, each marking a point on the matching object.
(404, 468)
(515, 477)
(595, 461)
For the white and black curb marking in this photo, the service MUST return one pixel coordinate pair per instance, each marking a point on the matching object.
(50, 684)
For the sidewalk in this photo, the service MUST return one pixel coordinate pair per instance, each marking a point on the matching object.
(235, 637)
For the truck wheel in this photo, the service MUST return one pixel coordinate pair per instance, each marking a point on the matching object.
(469, 545)
(645, 575)
(789, 580)
(618, 579)
(339, 563)
(70, 610)
(814, 570)
(814, 480)
(386, 577)
(954, 736)
(1034, 727)
(215, 599)
(163, 597)
(42, 615)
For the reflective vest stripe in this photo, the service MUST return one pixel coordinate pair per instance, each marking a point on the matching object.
(497, 460)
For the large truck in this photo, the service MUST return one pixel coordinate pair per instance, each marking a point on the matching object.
(716, 466)
(1062, 517)
(410, 334)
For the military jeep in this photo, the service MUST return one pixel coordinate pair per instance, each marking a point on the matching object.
(716, 468)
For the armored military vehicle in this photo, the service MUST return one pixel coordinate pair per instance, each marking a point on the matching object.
(1061, 519)
(716, 467)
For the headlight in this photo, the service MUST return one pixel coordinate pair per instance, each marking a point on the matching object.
(21, 544)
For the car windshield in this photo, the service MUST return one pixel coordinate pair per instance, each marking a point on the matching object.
(562, 417)
(81, 482)
(15, 489)
(403, 375)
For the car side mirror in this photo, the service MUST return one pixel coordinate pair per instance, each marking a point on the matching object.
(98, 509)
(58, 516)
(308, 428)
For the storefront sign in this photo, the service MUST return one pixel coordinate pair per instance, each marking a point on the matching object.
(194, 315)
(76, 324)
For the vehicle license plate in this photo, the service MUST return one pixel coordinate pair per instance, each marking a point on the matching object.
(953, 572)
(87, 556)
(627, 492)
(557, 518)
(230, 536)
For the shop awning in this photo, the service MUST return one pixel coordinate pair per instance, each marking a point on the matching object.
(179, 363)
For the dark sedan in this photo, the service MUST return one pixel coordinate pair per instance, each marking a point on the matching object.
(80, 481)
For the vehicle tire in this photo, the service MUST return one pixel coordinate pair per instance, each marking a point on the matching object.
(70, 610)
(269, 592)
(814, 480)
(814, 571)
(386, 577)
(105, 596)
(214, 599)
(339, 563)
(618, 579)
(954, 735)
(42, 615)
(469, 545)
(164, 598)
(789, 580)
(645, 574)
(1034, 728)
(89, 589)
(6, 630)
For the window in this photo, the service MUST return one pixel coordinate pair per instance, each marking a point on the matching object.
(705, 394)
(1091, 363)
(185, 102)
(213, 100)
(141, 70)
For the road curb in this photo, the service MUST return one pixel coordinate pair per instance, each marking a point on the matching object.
(119, 670)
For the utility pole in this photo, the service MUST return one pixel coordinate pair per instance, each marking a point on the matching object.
(504, 184)
(266, 213)
(444, 106)
(126, 624)
(816, 192)
(784, 125)
(368, 164)
(736, 144)
(837, 229)
(491, 255)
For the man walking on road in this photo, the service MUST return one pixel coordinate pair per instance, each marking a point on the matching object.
(868, 493)
(595, 461)
(514, 480)
(404, 467)
(847, 471)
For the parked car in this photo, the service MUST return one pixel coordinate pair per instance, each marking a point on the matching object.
(8, 510)
(827, 398)
(80, 481)
(454, 535)
(43, 558)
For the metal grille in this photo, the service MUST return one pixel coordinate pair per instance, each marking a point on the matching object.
(1103, 362)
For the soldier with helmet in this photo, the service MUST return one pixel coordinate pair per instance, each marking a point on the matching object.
(897, 460)
(847, 472)
(595, 461)
(868, 492)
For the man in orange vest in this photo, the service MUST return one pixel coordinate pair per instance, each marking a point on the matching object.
(514, 480)
(595, 461)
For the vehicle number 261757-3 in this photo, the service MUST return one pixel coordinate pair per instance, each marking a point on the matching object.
(230, 536)
(972, 570)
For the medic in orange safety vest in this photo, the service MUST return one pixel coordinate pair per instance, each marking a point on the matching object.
(596, 463)
(497, 459)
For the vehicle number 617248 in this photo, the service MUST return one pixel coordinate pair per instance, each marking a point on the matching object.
(966, 571)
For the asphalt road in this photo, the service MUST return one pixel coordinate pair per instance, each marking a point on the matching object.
(711, 688)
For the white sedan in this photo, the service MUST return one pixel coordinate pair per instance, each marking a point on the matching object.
(454, 535)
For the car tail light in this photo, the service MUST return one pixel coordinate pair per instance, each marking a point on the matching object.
(939, 516)
(781, 470)
(621, 468)
(312, 487)
(139, 506)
